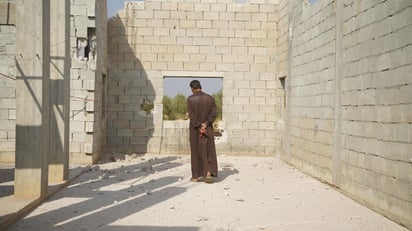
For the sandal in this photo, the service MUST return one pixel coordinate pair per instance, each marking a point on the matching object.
(209, 179)
(194, 179)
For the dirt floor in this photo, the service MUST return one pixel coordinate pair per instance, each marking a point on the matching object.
(154, 193)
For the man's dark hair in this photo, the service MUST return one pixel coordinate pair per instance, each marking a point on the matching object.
(195, 84)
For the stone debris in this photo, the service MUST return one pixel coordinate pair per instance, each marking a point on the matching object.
(130, 157)
(96, 167)
(147, 168)
(105, 176)
(202, 219)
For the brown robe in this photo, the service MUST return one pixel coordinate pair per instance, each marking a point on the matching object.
(202, 108)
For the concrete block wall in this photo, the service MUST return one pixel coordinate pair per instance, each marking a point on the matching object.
(376, 93)
(87, 82)
(311, 95)
(237, 42)
(7, 82)
(350, 96)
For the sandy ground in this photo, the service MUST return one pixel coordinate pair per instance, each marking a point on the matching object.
(155, 193)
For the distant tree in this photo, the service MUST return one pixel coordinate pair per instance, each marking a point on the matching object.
(218, 100)
(179, 106)
(167, 108)
(176, 108)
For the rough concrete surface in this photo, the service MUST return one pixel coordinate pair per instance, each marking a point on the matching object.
(154, 192)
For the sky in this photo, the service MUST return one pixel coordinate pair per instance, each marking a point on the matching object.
(172, 85)
(113, 6)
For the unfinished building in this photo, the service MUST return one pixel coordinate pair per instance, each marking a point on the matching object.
(323, 84)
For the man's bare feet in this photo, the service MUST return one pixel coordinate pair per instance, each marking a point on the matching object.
(194, 179)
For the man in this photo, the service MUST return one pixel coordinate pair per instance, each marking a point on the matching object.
(202, 112)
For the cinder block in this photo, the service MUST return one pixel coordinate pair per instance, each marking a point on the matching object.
(241, 100)
(90, 106)
(205, 24)
(7, 103)
(216, 7)
(125, 132)
(146, 14)
(4, 114)
(89, 85)
(77, 126)
(185, 6)
(89, 127)
(258, 101)
(191, 66)
(78, 10)
(175, 66)
(202, 7)
(87, 148)
(224, 67)
(169, 6)
(194, 15)
(162, 14)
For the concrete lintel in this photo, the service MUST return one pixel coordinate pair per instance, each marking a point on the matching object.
(192, 74)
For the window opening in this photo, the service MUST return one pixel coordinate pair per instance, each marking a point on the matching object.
(176, 91)
(282, 83)
(86, 47)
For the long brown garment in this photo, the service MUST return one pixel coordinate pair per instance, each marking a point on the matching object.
(202, 108)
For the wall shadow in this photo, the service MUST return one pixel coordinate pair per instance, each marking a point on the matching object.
(6, 181)
(95, 204)
(131, 95)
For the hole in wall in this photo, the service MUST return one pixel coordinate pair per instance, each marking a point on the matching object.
(282, 83)
(176, 91)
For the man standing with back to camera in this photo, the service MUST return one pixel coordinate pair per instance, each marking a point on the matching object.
(202, 112)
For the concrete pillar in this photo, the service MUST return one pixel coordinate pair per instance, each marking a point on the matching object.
(59, 90)
(337, 137)
(288, 81)
(32, 101)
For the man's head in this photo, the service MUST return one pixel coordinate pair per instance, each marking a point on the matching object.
(195, 85)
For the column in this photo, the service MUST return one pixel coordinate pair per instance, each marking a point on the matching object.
(337, 137)
(59, 90)
(32, 101)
